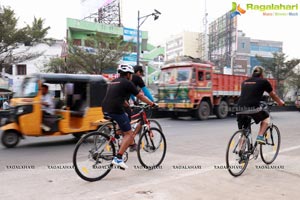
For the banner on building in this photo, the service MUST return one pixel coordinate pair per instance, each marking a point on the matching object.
(130, 35)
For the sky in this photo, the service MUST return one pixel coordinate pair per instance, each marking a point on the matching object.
(177, 16)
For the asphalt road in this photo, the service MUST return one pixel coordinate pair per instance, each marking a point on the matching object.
(193, 167)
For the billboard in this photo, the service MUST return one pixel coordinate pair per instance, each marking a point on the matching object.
(130, 35)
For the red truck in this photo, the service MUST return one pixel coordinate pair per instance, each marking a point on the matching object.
(195, 89)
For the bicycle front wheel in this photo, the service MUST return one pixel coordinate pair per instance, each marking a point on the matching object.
(93, 155)
(156, 124)
(269, 151)
(151, 148)
(237, 154)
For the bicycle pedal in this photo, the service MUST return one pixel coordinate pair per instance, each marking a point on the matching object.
(122, 168)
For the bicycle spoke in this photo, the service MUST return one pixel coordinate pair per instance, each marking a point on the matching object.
(151, 148)
(236, 154)
(93, 155)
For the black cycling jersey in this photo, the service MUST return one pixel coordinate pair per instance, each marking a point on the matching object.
(138, 81)
(117, 92)
(252, 92)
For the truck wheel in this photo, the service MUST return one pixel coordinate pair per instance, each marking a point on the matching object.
(203, 111)
(10, 138)
(222, 110)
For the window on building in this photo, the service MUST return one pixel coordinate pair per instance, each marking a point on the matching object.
(89, 43)
(77, 42)
(243, 45)
(7, 69)
(21, 70)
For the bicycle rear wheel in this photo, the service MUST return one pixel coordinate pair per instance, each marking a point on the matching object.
(269, 151)
(151, 148)
(106, 128)
(236, 154)
(93, 155)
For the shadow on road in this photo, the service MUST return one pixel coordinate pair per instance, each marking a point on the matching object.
(41, 144)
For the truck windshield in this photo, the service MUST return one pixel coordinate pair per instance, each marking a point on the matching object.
(29, 88)
(174, 75)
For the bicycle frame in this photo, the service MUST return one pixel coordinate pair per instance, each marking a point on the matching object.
(140, 117)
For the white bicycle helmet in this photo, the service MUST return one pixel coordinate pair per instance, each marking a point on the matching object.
(125, 68)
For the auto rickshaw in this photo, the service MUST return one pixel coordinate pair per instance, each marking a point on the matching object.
(78, 112)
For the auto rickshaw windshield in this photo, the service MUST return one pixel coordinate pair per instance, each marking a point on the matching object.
(28, 89)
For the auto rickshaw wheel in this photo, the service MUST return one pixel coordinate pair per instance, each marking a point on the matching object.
(10, 138)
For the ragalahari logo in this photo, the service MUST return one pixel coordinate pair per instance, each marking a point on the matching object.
(236, 10)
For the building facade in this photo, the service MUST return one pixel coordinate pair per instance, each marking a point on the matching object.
(248, 48)
(14, 74)
(185, 43)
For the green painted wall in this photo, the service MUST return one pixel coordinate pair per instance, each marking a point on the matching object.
(79, 28)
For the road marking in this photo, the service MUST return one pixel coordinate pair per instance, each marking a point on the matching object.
(290, 149)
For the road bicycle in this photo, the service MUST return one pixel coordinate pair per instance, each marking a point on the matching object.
(241, 149)
(95, 151)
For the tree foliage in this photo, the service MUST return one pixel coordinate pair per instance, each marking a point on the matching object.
(36, 32)
(294, 80)
(11, 38)
(279, 68)
(101, 51)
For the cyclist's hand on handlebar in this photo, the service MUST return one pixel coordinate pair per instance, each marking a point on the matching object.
(281, 103)
(154, 105)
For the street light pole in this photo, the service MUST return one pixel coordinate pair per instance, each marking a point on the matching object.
(138, 41)
(156, 14)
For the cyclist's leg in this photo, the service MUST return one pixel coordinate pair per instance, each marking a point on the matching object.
(128, 136)
(263, 126)
(243, 123)
(264, 118)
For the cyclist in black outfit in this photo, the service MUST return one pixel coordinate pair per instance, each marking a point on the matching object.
(138, 81)
(118, 92)
(140, 85)
(251, 95)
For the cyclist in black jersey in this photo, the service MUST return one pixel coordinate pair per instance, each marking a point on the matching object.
(113, 104)
(141, 86)
(139, 83)
(251, 95)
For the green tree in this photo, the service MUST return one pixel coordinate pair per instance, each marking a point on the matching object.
(294, 80)
(279, 68)
(102, 51)
(62, 65)
(11, 38)
(36, 32)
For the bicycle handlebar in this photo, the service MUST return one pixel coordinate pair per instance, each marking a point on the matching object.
(145, 106)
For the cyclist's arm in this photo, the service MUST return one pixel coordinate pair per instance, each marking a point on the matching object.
(147, 93)
(144, 99)
(276, 98)
(132, 97)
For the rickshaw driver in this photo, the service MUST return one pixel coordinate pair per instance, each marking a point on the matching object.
(113, 104)
(47, 105)
(47, 101)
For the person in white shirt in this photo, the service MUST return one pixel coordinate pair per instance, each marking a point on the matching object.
(47, 101)
(5, 105)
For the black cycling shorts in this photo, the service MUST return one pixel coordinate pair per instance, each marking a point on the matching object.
(243, 119)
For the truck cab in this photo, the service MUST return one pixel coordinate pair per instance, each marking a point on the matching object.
(182, 87)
